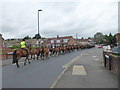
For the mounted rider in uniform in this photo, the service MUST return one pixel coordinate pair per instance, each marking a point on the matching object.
(23, 45)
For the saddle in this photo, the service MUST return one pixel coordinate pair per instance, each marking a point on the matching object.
(25, 49)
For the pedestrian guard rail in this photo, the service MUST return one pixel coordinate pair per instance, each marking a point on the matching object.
(111, 62)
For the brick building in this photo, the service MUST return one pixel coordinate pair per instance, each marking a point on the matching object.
(1, 41)
(67, 40)
(85, 41)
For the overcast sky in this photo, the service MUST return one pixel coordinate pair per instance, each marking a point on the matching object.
(84, 17)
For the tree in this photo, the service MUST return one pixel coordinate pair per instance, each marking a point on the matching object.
(37, 36)
(89, 37)
(110, 40)
(82, 38)
(27, 37)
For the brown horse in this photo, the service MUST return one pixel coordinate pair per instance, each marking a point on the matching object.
(56, 51)
(64, 50)
(34, 52)
(41, 52)
(17, 54)
(60, 49)
(46, 52)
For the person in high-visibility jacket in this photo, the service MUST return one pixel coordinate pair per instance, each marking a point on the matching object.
(23, 45)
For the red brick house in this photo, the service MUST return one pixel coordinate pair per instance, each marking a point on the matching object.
(1, 41)
(67, 40)
(85, 41)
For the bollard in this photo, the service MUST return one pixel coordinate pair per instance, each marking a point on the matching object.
(110, 62)
(104, 59)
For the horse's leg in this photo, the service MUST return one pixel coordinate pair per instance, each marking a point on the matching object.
(27, 58)
(53, 53)
(31, 56)
(48, 54)
(56, 53)
(34, 56)
(37, 56)
(17, 63)
(43, 56)
(25, 61)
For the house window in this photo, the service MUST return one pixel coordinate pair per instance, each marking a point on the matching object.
(65, 40)
(58, 41)
(41, 41)
(52, 41)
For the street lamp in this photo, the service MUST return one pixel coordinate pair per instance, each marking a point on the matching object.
(38, 29)
(38, 21)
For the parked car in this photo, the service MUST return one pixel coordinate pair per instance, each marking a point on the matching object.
(116, 50)
(100, 46)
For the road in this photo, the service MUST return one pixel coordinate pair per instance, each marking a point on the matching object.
(38, 74)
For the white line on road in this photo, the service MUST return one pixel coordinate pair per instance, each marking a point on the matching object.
(94, 56)
(96, 59)
(71, 62)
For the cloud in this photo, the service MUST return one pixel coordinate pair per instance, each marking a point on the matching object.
(59, 18)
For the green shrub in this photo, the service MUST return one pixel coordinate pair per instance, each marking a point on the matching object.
(14, 47)
(116, 54)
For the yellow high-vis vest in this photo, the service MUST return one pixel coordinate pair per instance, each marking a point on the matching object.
(22, 44)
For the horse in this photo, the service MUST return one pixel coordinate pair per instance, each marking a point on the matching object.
(17, 54)
(56, 51)
(34, 52)
(64, 50)
(60, 49)
(46, 52)
(41, 52)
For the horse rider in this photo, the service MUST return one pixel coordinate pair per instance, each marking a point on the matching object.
(23, 45)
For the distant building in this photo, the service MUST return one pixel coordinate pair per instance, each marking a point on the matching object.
(118, 39)
(1, 41)
(85, 41)
(67, 40)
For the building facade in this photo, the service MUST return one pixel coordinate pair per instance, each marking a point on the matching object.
(1, 41)
(67, 40)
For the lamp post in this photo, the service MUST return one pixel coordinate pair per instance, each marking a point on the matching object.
(38, 21)
(38, 29)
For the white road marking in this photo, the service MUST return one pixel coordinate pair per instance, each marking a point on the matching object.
(94, 56)
(79, 70)
(71, 62)
(96, 59)
(66, 66)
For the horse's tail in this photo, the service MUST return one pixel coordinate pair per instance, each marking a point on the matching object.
(14, 56)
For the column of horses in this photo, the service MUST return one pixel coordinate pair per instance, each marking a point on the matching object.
(46, 52)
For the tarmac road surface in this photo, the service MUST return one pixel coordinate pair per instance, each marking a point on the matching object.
(38, 74)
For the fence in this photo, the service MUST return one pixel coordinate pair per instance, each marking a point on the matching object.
(6, 53)
(111, 62)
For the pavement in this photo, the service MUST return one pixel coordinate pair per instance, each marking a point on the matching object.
(87, 71)
(8, 61)
(5, 62)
